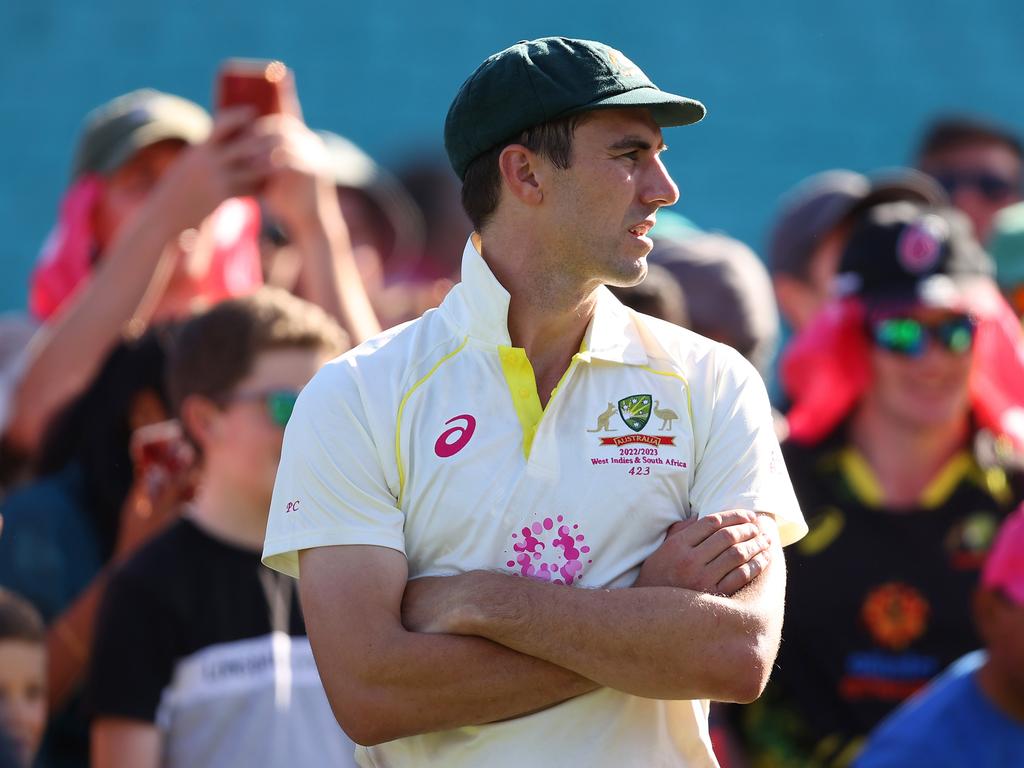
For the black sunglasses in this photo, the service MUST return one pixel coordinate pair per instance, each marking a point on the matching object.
(992, 187)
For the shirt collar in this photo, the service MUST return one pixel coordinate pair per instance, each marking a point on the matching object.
(478, 305)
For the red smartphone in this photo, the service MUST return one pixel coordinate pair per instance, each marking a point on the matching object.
(161, 445)
(267, 86)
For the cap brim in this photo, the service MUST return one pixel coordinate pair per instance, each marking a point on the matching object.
(150, 134)
(935, 292)
(667, 109)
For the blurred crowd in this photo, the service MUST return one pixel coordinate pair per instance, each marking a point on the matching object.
(199, 270)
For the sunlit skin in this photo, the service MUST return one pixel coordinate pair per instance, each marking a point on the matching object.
(23, 695)
(924, 392)
(996, 159)
(127, 188)
(558, 234)
(600, 209)
(124, 193)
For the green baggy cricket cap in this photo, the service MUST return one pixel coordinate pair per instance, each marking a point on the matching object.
(113, 132)
(535, 81)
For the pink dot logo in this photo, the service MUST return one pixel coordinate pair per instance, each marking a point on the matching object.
(920, 244)
(548, 550)
(455, 439)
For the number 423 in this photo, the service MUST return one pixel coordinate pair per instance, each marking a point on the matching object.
(639, 471)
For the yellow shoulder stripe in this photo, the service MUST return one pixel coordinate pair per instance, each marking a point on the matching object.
(401, 409)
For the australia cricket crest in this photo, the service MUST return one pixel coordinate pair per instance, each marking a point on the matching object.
(635, 410)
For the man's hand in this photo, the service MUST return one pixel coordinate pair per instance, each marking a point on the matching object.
(300, 183)
(432, 604)
(719, 554)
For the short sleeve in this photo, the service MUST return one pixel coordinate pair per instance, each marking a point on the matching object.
(331, 486)
(133, 653)
(741, 464)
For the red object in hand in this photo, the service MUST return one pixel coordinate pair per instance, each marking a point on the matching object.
(266, 86)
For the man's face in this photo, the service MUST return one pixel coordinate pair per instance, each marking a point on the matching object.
(244, 443)
(23, 695)
(127, 188)
(600, 209)
(925, 391)
(981, 179)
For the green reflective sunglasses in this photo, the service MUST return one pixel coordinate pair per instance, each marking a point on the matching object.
(279, 403)
(909, 337)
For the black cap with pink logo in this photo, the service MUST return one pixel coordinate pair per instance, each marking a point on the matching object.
(902, 253)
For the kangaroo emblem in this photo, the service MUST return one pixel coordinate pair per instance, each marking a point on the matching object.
(604, 420)
(667, 415)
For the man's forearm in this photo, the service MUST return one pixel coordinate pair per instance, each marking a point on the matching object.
(656, 642)
(329, 275)
(434, 682)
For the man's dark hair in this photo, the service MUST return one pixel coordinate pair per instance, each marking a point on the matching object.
(481, 188)
(956, 131)
(19, 620)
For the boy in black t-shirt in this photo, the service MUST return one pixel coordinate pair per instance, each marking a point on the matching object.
(200, 654)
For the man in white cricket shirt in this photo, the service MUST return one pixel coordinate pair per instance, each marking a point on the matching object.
(533, 526)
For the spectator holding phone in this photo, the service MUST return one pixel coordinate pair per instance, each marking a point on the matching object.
(904, 451)
(157, 222)
(201, 657)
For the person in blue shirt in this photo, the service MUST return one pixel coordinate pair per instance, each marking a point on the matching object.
(973, 714)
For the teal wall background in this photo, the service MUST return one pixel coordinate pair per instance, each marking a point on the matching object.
(792, 86)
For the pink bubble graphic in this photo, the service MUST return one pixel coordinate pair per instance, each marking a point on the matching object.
(549, 554)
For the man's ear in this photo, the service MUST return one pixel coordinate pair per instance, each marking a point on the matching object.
(522, 172)
(200, 417)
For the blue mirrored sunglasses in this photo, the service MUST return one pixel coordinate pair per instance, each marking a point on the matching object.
(279, 403)
(909, 337)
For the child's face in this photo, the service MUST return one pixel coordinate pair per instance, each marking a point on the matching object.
(23, 695)
(244, 446)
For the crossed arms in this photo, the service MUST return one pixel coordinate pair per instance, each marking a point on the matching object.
(703, 621)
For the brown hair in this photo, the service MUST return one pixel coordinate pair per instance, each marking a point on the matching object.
(19, 620)
(481, 187)
(956, 131)
(213, 351)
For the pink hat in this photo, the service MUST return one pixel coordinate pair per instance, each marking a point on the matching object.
(1004, 569)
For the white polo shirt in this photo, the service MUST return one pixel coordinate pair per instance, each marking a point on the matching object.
(430, 439)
